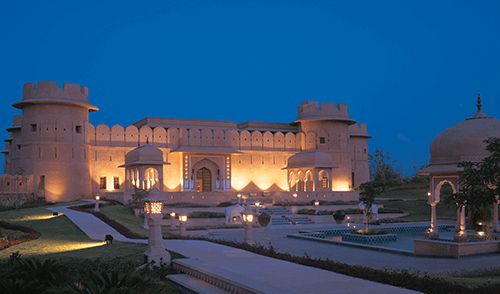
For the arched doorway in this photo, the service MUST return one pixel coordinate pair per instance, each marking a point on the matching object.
(203, 180)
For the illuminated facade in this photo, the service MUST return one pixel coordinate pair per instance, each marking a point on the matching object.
(321, 155)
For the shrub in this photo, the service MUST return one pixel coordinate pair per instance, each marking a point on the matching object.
(206, 214)
(369, 232)
(225, 204)
(264, 219)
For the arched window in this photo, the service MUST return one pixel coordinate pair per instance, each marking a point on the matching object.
(203, 180)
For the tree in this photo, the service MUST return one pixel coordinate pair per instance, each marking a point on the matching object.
(382, 169)
(491, 165)
(479, 183)
(369, 191)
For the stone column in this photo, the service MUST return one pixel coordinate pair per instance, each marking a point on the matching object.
(248, 233)
(172, 222)
(433, 231)
(182, 228)
(156, 250)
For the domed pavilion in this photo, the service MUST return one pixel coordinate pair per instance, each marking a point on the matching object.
(461, 142)
(143, 169)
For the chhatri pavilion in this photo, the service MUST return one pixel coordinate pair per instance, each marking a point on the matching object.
(461, 142)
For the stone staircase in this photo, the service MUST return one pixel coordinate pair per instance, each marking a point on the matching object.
(282, 216)
(195, 278)
(276, 211)
(301, 220)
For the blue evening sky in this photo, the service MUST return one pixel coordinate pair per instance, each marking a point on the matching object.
(407, 68)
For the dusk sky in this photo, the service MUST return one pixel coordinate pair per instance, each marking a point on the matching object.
(409, 69)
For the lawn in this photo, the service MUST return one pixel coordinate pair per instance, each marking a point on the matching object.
(61, 238)
(65, 243)
(414, 201)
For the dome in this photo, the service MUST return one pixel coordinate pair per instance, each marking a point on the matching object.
(144, 155)
(465, 140)
(310, 159)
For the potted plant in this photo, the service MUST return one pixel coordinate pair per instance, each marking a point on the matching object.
(339, 216)
(264, 219)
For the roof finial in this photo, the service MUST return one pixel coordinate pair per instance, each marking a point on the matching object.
(478, 104)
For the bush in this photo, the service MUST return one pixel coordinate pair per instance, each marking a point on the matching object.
(206, 214)
(31, 275)
(264, 219)
(306, 211)
(389, 210)
(369, 232)
(225, 204)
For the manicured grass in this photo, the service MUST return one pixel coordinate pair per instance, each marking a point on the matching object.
(61, 238)
(125, 216)
(419, 210)
(403, 193)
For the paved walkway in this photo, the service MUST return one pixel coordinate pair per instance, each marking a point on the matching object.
(276, 236)
(262, 273)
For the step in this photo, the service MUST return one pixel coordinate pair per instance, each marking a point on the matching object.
(217, 277)
(195, 285)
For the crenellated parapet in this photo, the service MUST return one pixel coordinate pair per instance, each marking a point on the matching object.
(359, 130)
(312, 110)
(132, 136)
(50, 92)
(50, 89)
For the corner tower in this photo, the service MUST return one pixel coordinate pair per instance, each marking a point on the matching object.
(325, 128)
(52, 142)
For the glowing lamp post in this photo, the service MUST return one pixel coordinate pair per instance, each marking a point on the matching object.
(248, 217)
(172, 221)
(156, 252)
(239, 198)
(96, 207)
(182, 224)
(432, 231)
(257, 206)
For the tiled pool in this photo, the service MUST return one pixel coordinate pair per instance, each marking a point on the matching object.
(406, 234)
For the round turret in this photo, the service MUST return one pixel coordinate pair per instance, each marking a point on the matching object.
(53, 140)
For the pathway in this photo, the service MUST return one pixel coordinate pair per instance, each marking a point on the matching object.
(262, 273)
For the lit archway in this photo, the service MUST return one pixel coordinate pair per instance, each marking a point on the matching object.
(151, 179)
(309, 181)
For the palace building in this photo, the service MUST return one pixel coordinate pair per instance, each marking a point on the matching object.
(54, 149)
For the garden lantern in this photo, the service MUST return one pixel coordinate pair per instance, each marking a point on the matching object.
(96, 207)
(172, 221)
(316, 203)
(183, 218)
(257, 206)
(156, 252)
(248, 217)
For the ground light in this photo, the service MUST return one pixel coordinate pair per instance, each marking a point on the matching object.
(96, 207)
(156, 252)
(183, 218)
(172, 221)
(248, 217)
